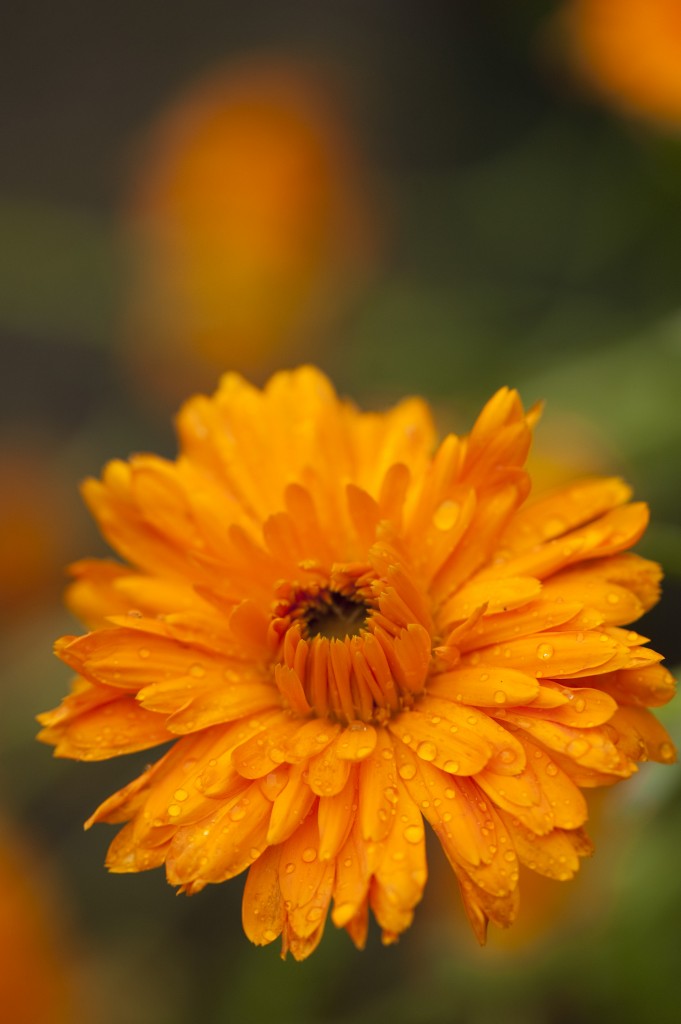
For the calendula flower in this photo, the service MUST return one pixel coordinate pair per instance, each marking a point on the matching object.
(251, 224)
(630, 52)
(348, 633)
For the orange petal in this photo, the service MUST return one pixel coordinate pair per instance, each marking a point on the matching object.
(651, 686)
(377, 790)
(222, 846)
(306, 881)
(555, 514)
(555, 854)
(263, 912)
(497, 595)
(291, 807)
(559, 654)
(401, 874)
(641, 736)
(484, 686)
(588, 748)
(335, 818)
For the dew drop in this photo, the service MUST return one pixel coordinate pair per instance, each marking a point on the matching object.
(197, 671)
(391, 794)
(551, 769)
(290, 868)
(237, 813)
(413, 833)
(427, 750)
(180, 795)
(667, 752)
(509, 856)
(499, 697)
(144, 652)
(580, 704)
(406, 771)
(577, 748)
(446, 515)
(507, 756)
(309, 855)
(452, 767)
(268, 935)
(387, 753)
(544, 651)
(450, 793)
(613, 598)
(174, 810)
(314, 914)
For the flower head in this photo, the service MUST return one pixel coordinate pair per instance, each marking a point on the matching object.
(629, 51)
(348, 633)
(251, 223)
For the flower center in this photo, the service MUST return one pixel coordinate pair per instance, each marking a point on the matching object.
(349, 649)
(336, 616)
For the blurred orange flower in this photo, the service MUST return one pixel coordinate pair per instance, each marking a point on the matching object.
(630, 52)
(35, 529)
(250, 225)
(36, 982)
(346, 630)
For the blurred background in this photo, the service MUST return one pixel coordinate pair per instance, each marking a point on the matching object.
(431, 198)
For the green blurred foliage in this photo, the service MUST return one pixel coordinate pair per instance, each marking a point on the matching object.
(532, 238)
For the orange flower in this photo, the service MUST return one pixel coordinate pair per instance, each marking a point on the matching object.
(344, 634)
(250, 226)
(37, 977)
(630, 51)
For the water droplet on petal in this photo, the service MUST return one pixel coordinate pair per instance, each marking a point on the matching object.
(499, 697)
(579, 704)
(144, 652)
(197, 671)
(427, 750)
(446, 515)
(544, 651)
(667, 752)
(180, 795)
(406, 771)
(452, 767)
(174, 810)
(413, 833)
(309, 855)
(577, 748)
(551, 768)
